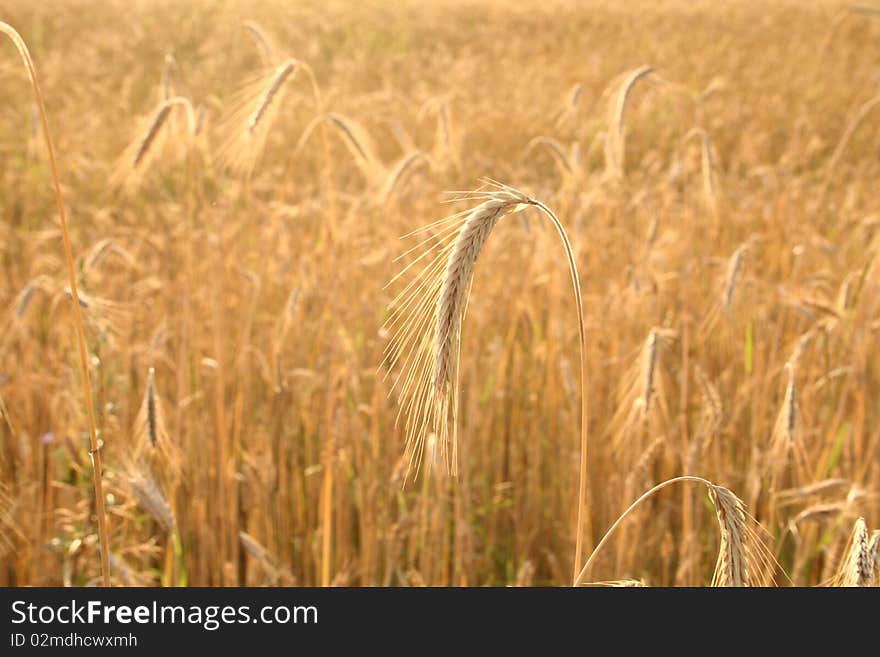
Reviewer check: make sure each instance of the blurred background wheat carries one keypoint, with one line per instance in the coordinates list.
(238, 177)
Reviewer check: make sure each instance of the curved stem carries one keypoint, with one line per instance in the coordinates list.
(646, 495)
(584, 524)
(77, 314)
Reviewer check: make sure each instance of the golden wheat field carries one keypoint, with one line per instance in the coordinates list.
(404, 294)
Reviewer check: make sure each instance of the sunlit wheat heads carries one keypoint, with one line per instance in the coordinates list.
(145, 150)
(425, 318)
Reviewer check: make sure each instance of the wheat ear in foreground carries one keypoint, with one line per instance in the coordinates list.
(425, 323)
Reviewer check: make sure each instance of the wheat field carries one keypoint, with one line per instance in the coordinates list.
(284, 384)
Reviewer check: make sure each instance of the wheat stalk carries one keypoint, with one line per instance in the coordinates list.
(77, 315)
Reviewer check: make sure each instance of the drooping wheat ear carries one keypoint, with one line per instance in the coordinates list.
(282, 73)
(249, 121)
(252, 546)
(568, 111)
(356, 139)
(152, 131)
(569, 163)
(359, 144)
(425, 323)
(788, 416)
(266, 51)
(853, 125)
(427, 317)
(744, 559)
(151, 499)
(649, 367)
(153, 449)
(838, 19)
(707, 166)
(381, 179)
(398, 172)
(785, 444)
(820, 513)
(642, 395)
(857, 567)
(556, 150)
(275, 571)
(616, 141)
(847, 292)
(732, 567)
(731, 278)
(77, 315)
(23, 300)
(791, 496)
(154, 127)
